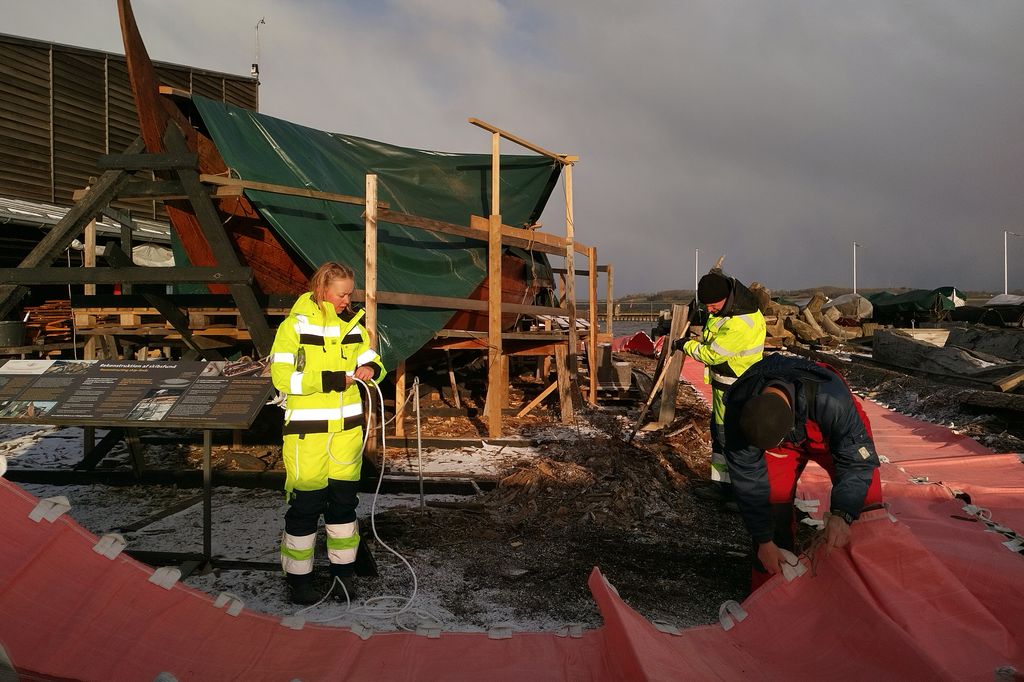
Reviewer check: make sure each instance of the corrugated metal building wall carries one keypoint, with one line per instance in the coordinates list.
(61, 107)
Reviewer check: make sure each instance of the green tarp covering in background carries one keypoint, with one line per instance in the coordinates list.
(914, 304)
(438, 185)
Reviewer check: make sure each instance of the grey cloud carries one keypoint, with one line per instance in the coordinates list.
(774, 132)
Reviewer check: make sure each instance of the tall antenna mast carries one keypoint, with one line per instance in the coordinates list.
(255, 73)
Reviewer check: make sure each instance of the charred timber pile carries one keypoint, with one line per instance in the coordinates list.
(814, 324)
(984, 358)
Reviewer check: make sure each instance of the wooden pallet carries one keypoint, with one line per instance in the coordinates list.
(149, 322)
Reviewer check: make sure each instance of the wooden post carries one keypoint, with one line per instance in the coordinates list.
(564, 385)
(370, 279)
(400, 400)
(495, 386)
(609, 304)
(506, 379)
(456, 399)
(570, 270)
(675, 365)
(592, 312)
(496, 389)
(126, 246)
(89, 255)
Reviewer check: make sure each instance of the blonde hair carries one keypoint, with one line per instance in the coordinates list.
(324, 275)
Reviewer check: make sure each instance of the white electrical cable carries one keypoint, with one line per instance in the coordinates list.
(370, 606)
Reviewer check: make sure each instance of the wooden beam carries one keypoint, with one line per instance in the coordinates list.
(675, 366)
(1009, 383)
(570, 285)
(134, 275)
(400, 399)
(529, 238)
(136, 162)
(370, 229)
(592, 310)
(496, 389)
(177, 92)
(220, 245)
(580, 248)
(609, 303)
(495, 174)
(449, 302)
(69, 227)
(143, 189)
(561, 158)
(89, 255)
(537, 401)
(222, 181)
(564, 384)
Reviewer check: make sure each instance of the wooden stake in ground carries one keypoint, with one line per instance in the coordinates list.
(669, 341)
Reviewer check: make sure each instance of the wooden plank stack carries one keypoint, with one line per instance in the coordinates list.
(50, 322)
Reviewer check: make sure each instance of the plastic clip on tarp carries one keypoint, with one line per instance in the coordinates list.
(293, 622)
(428, 629)
(730, 613)
(807, 506)
(110, 545)
(361, 631)
(500, 632)
(572, 630)
(666, 627)
(233, 602)
(165, 577)
(793, 568)
(50, 509)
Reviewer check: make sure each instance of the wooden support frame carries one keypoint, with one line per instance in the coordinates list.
(567, 369)
(69, 227)
(220, 245)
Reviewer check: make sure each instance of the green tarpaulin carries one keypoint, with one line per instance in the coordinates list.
(914, 304)
(438, 185)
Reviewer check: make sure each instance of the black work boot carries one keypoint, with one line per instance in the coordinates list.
(718, 492)
(714, 492)
(303, 592)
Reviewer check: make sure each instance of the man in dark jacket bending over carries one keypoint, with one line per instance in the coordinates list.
(781, 413)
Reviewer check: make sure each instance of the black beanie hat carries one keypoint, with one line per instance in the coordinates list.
(713, 287)
(765, 420)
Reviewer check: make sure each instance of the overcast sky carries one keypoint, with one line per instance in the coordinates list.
(776, 133)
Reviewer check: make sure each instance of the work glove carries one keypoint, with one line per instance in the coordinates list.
(678, 344)
(333, 381)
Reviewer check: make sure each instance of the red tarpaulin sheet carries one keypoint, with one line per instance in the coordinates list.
(639, 343)
(926, 591)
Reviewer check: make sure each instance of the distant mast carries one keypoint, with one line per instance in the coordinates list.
(255, 72)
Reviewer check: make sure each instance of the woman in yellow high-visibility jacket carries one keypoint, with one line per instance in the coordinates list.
(318, 350)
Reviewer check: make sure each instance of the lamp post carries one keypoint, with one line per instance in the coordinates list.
(855, 247)
(696, 277)
(1007, 233)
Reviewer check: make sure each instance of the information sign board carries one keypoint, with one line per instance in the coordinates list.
(205, 395)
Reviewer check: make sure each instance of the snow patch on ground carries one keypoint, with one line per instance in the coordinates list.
(247, 525)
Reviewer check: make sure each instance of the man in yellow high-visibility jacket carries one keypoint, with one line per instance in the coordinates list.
(731, 341)
(319, 350)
